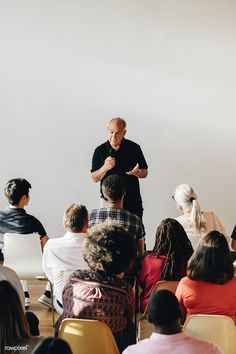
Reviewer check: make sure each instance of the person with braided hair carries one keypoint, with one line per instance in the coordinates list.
(168, 259)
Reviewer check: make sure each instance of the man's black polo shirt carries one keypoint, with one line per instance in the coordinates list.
(128, 155)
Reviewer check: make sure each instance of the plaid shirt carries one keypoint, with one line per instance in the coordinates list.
(130, 222)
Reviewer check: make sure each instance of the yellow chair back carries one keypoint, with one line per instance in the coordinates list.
(88, 336)
(215, 328)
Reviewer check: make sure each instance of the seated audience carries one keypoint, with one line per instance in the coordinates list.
(233, 237)
(63, 255)
(52, 345)
(210, 285)
(100, 293)
(168, 259)
(14, 327)
(195, 222)
(15, 219)
(164, 313)
(113, 191)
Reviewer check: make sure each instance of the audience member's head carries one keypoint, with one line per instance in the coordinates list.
(113, 188)
(15, 189)
(211, 261)
(186, 199)
(13, 324)
(75, 218)
(164, 312)
(52, 345)
(108, 248)
(172, 241)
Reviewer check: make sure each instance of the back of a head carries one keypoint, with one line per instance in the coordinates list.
(52, 345)
(113, 188)
(163, 308)
(171, 238)
(15, 189)
(75, 217)
(186, 198)
(211, 261)
(108, 248)
(172, 242)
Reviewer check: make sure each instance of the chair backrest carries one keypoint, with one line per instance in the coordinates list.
(170, 285)
(88, 336)
(23, 253)
(145, 328)
(215, 328)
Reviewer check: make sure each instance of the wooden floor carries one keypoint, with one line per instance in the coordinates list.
(37, 288)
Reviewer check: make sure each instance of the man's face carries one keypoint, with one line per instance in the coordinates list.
(116, 133)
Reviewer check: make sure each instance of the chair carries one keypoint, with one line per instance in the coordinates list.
(170, 285)
(88, 336)
(23, 254)
(145, 328)
(218, 329)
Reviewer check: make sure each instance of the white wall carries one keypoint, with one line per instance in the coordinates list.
(167, 67)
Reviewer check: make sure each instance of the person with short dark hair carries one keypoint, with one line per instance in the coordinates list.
(124, 158)
(210, 278)
(14, 327)
(63, 255)
(168, 259)
(100, 293)
(164, 313)
(114, 192)
(15, 219)
(52, 345)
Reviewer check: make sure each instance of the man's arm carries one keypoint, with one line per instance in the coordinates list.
(99, 174)
(44, 240)
(140, 246)
(233, 244)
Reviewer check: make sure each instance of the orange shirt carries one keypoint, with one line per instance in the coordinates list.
(199, 297)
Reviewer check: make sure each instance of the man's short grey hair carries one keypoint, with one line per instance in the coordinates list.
(75, 217)
(118, 119)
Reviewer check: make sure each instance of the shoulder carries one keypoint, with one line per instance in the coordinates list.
(199, 345)
(53, 243)
(131, 144)
(139, 347)
(7, 273)
(185, 281)
(101, 147)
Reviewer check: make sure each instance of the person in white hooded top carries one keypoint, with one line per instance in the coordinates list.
(196, 223)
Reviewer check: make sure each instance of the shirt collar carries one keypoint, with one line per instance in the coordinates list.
(69, 234)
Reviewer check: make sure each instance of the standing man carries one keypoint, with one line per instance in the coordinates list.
(122, 157)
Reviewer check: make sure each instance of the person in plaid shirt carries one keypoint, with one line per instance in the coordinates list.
(114, 192)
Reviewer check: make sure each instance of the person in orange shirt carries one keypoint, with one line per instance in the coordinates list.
(210, 285)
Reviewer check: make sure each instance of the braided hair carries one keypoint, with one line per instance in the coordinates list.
(172, 242)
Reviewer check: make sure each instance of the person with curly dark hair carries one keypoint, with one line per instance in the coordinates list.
(100, 293)
(210, 285)
(168, 259)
